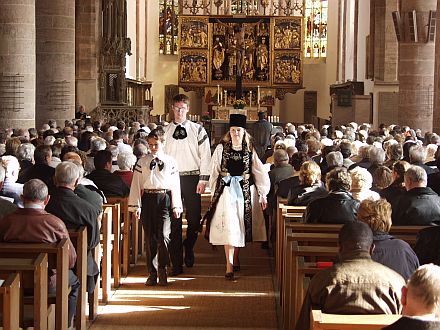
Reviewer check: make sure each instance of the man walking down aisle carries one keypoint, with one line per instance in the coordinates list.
(188, 143)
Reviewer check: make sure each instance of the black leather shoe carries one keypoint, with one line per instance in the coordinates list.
(189, 256)
(175, 272)
(163, 281)
(151, 280)
(229, 276)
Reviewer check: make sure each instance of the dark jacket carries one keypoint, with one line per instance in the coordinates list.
(261, 135)
(393, 192)
(43, 172)
(336, 207)
(418, 206)
(428, 245)
(285, 185)
(413, 323)
(303, 194)
(434, 182)
(110, 184)
(395, 254)
(76, 212)
(429, 170)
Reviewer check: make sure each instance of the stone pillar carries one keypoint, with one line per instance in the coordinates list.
(416, 68)
(436, 114)
(87, 38)
(55, 30)
(17, 63)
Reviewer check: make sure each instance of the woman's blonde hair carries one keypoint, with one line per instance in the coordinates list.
(247, 137)
(309, 173)
(376, 214)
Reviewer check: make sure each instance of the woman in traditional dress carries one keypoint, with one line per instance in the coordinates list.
(235, 168)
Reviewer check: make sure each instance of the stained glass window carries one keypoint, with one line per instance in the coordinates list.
(168, 10)
(316, 28)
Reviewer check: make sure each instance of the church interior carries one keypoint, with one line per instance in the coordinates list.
(303, 61)
(320, 62)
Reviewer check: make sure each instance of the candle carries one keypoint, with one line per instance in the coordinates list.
(226, 98)
(218, 94)
(250, 98)
(258, 95)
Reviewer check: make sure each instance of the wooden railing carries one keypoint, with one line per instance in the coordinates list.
(126, 113)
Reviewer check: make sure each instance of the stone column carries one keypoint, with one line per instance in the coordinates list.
(436, 114)
(416, 68)
(87, 38)
(17, 63)
(55, 30)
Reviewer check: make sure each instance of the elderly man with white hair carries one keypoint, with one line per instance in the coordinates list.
(11, 188)
(417, 156)
(419, 205)
(96, 144)
(420, 300)
(25, 155)
(75, 211)
(6, 207)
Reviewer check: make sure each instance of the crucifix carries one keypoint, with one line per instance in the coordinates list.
(239, 45)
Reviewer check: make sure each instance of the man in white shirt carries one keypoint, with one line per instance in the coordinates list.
(188, 144)
(156, 175)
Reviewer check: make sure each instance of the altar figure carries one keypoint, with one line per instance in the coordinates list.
(262, 55)
(218, 54)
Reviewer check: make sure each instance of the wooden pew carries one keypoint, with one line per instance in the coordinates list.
(115, 237)
(79, 241)
(33, 277)
(58, 258)
(323, 321)
(335, 228)
(106, 230)
(293, 213)
(290, 308)
(130, 233)
(10, 301)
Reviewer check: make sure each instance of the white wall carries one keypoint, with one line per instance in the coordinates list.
(161, 69)
(130, 71)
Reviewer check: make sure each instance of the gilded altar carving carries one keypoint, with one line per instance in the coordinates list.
(193, 67)
(287, 33)
(194, 32)
(265, 51)
(287, 68)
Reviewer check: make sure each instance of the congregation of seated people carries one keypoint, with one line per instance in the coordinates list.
(368, 180)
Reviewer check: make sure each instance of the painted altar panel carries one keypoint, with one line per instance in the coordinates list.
(193, 66)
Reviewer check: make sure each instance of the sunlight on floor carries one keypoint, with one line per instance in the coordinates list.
(121, 294)
(141, 280)
(121, 309)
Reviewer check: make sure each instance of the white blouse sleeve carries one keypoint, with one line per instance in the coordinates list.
(216, 161)
(261, 176)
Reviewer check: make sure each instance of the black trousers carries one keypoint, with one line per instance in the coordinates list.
(73, 296)
(193, 205)
(155, 215)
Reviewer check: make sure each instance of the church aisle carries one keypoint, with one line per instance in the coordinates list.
(200, 298)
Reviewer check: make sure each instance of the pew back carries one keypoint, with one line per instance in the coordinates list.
(321, 321)
(58, 258)
(10, 301)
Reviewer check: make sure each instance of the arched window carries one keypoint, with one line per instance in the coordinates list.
(168, 10)
(316, 29)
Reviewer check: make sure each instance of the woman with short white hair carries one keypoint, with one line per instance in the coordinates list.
(126, 161)
(361, 183)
